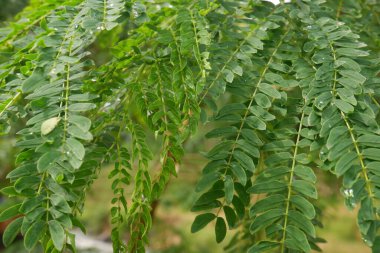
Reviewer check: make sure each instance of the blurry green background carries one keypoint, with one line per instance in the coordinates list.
(172, 220)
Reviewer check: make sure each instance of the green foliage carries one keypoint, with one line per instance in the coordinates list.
(289, 89)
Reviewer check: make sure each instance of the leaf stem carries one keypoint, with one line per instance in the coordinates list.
(66, 99)
(294, 159)
(251, 100)
(339, 9)
(242, 43)
(360, 156)
(10, 103)
(364, 171)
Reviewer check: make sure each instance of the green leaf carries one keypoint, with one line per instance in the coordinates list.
(82, 97)
(47, 160)
(344, 163)
(245, 161)
(309, 46)
(46, 114)
(335, 135)
(33, 82)
(353, 75)
(230, 216)
(299, 220)
(81, 122)
(239, 173)
(220, 230)
(231, 109)
(305, 173)
(338, 34)
(57, 234)
(349, 83)
(321, 56)
(207, 180)
(209, 197)
(263, 246)
(12, 230)
(237, 70)
(42, 92)
(34, 234)
(376, 245)
(26, 183)
(348, 63)
(351, 52)
(229, 76)
(323, 100)
(274, 78)
(239, 207)
(9, 191)
(222, 132)
(262, 100)
(269, 90)
(76, 148)
(374, 166)
(345, 144)
(60, 203)
(371, 153)
(278, 145)
(255, 42)
(268, 187)
(265, 204)
(262, 113)
(347, 95)
(296, 239)
(369, 140)
(21, 171)
(344, 106)
(10, 212)
(251, 137)
(256, 123)
(265, 219)
(69, 59)
(81, 107)
(248, 148)
(280, 67)
(77, 132)
(208, 206)
(32, 143)
(305, 188)
(30, 204)
(74, 161)
(303, 205)
(201, 221)
(229, 188)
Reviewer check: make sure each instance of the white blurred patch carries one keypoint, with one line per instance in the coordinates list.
(278, 1)
(89, 244)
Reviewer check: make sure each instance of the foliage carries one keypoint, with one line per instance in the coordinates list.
(289, 88)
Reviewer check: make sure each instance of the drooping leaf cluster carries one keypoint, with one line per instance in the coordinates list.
(289, 89)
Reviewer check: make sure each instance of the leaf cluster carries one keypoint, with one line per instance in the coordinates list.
(289, 90)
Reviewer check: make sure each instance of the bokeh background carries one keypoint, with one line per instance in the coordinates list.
(172, 216)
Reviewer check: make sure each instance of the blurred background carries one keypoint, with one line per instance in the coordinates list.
(172, 219)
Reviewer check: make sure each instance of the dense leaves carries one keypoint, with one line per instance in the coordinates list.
(287, 89)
